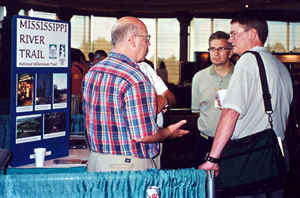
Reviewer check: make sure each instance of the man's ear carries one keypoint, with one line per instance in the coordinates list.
(253, 35)
(131, 40)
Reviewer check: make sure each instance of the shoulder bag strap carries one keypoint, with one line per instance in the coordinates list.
(264, 85)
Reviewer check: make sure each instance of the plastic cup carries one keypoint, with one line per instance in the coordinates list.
(39, 156)
(222, 94)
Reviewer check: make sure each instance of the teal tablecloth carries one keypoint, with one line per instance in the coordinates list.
(182, 183)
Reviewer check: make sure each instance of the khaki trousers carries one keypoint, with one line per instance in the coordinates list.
(157, 159)
(99, 162)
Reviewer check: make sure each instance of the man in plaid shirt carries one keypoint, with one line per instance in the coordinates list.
(120, 105)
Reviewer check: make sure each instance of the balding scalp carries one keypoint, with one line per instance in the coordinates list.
(120, 31)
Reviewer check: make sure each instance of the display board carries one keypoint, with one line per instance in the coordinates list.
(40, 88)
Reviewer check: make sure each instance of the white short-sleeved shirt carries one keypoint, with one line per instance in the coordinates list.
(158, 85)
(244, 94)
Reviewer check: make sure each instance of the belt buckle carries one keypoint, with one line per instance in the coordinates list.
(204, 135)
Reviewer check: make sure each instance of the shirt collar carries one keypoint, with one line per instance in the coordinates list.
(213, 71)
(259, 49)
(123, 58)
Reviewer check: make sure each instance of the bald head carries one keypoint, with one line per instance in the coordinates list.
(130, 19)
(129, 36)
(123, 27)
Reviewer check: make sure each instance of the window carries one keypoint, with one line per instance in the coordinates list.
(80, 33)
(277, 39)
(200, 32)
(221, 25)
(90, 33)
(294, 37)
(168, 47)
(45, 15)
(101, 29)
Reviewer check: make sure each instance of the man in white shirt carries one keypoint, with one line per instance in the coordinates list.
(164, 97)
(243, 111)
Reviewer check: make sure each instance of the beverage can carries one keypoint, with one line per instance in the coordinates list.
(153, 192)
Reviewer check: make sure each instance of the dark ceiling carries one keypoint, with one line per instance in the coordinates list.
(281, 10)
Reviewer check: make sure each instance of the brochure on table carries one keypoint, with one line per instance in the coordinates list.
(40, 88)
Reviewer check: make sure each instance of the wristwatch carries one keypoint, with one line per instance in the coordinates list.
(211, 159)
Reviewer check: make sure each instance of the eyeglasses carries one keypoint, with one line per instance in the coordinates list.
(219, 49)
(147, 37)
(233, 35)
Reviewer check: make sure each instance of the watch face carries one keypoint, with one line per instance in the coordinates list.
(211, 159)
(206, 156)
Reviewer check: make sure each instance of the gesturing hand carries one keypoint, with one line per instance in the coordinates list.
(175, 131)
(172, 131)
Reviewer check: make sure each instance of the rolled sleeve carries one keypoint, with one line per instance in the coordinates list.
(140, 109)
(240, 90)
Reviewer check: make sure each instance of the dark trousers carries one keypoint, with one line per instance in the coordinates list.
(202, 146)
(275, 194)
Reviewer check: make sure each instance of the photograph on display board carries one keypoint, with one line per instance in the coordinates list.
(52, 51)
(25, 90)
(28, 128)
(54, 124)
(60, 90)
(62, 54)
(43, 93)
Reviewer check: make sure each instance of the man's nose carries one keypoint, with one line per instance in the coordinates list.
(216, 52)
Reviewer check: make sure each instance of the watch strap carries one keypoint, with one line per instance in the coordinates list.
(212, 159)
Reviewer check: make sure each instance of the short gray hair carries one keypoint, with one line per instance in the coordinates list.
(119, 31)
(218, 36)
(256, 22)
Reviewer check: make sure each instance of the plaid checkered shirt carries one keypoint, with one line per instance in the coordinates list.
(119, 103)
